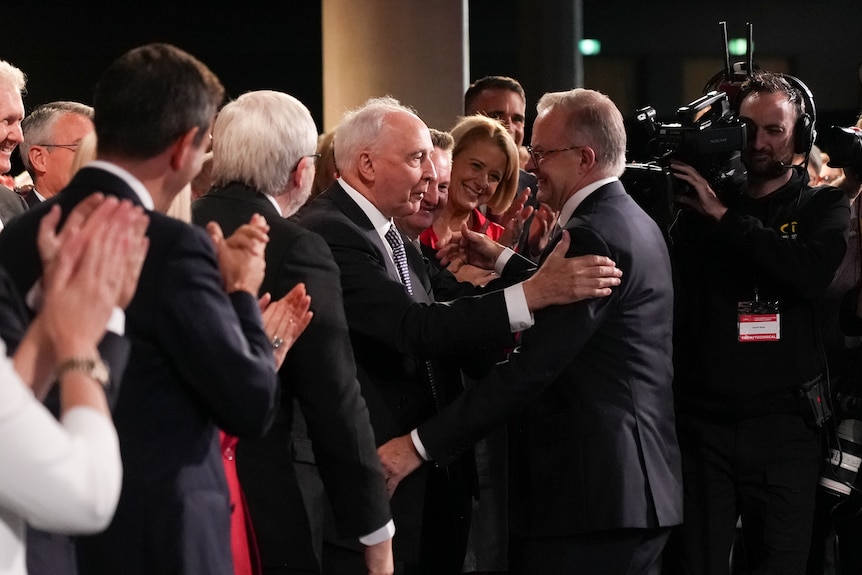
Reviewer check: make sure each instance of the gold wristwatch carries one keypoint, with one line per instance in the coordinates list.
(92, 367)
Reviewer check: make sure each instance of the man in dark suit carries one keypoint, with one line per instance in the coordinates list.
(11, 204)
(597, 477)
(200, 357)
(263, 162)
(12, 84)
(52, 134)
(383, 154)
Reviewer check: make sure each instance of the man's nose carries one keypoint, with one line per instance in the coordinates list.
(15, 134)
(429, 172)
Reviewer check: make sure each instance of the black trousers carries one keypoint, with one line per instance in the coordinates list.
(614, 552)
(764, 470)
(445, 525)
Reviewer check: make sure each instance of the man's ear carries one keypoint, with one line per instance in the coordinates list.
(304, 172)
(587, 157)
(365, 166)
(183, 148)
(36, 155)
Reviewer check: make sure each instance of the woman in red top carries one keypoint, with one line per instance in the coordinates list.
(484, 173)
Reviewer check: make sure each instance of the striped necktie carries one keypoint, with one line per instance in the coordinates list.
(399, 255)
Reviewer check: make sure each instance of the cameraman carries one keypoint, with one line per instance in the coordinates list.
(752, 264)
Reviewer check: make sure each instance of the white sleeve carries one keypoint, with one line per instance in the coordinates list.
(62, 477)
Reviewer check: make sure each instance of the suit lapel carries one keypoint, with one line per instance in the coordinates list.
(355, 214)
(611, 190)
(418, 273)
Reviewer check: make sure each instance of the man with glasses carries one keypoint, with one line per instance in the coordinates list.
(401, 337)
(596, 477)
(264, 162)
(52, 134)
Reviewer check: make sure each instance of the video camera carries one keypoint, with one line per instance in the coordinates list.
(844, 146)
(708, 136)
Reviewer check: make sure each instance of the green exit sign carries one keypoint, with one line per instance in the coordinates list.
(737, 46)
(589, 47)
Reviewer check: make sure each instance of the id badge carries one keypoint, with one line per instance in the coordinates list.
(758, 321)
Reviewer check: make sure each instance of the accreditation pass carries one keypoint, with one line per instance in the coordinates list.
(758, 321)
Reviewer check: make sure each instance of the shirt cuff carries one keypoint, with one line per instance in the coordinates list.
(417, 443)
(503, 260)
(117, 322)
(380, 535)
(520, 317)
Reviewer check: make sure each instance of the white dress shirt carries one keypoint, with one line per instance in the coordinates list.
(57, 476)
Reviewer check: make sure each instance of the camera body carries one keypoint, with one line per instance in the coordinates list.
(708, 136)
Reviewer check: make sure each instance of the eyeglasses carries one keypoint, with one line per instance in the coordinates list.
(72, 147)
(537, 156)
(314, 158)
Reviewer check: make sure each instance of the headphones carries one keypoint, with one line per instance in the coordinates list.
(804, 133)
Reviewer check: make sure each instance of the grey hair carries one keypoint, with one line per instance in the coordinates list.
(259, 138)
(12, 77)
(38, 126)
(592, 119)
(360, 128)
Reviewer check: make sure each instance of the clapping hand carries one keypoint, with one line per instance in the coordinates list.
(514, 217)
(90, 266)
(240, 256)
(285, 320)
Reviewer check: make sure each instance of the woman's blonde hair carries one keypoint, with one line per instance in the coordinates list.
(470, 129)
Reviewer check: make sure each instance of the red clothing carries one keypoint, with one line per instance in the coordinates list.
(493, 231)
(246, 560)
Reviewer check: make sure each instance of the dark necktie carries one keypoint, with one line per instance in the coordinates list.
(399, 256)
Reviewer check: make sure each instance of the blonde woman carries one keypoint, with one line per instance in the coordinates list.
(484, 173)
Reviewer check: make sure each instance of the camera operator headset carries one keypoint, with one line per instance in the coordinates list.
(803, 131)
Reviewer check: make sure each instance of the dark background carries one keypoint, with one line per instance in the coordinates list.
(63, 47)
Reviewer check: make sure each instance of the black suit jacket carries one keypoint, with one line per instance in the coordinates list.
(597, 444)
(199, 359)
(11, 205)
(393, 333)
(31, 198)
(278, 472)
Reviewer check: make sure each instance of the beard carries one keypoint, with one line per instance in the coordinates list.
(766, 166)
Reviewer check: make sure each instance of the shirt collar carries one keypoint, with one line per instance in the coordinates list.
(133, 182)
(274, 203)
(380, 222)
(573, 202)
